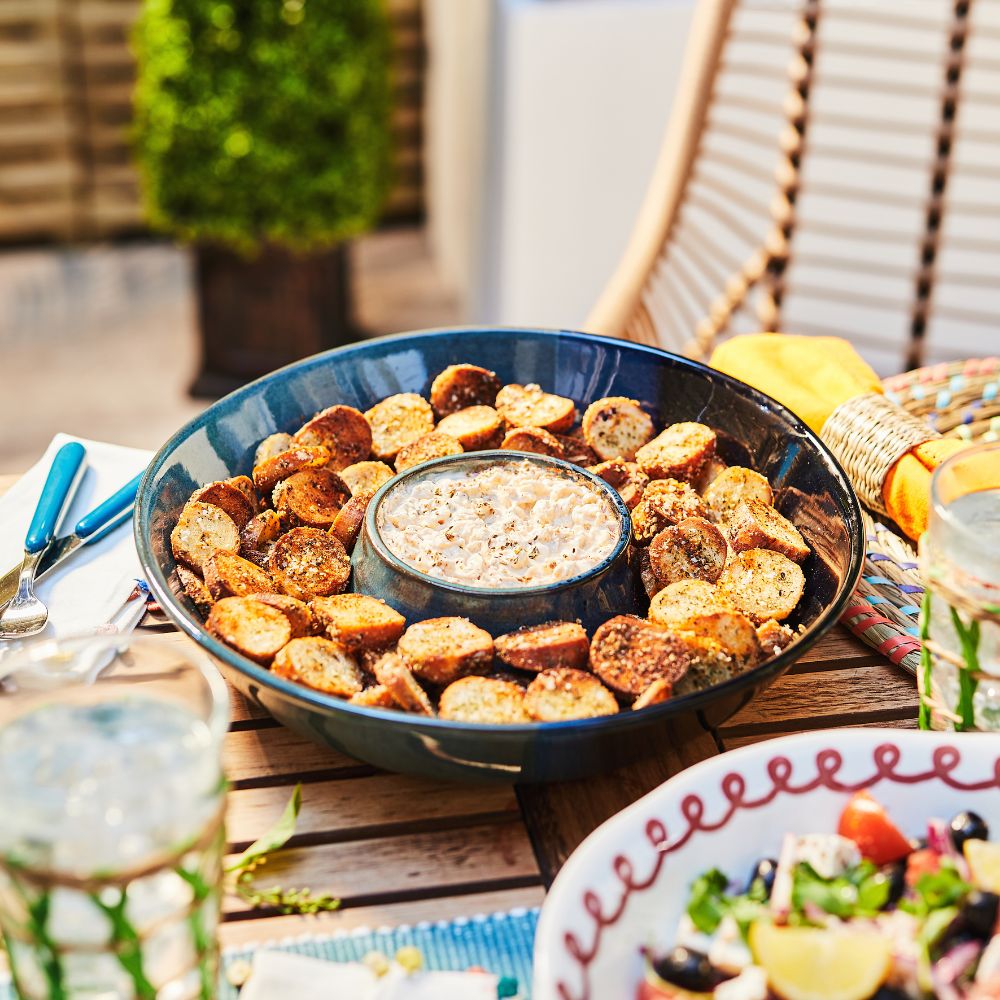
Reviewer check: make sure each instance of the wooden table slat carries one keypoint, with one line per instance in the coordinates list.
(838, 648)
(366, 807)
(405, 866)
(275, 755)
(561, 815)
(239, 933)
(855, 694)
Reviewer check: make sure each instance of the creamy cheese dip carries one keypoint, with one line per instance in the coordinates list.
(511, 524)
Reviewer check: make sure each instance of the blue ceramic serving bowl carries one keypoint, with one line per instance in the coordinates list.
(810, 488)
(606, 589)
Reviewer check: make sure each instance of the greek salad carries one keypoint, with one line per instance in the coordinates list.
(866, 912)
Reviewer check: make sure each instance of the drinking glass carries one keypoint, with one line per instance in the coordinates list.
(960, 618)
(111, 826)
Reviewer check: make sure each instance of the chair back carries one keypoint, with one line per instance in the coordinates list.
(830, 167)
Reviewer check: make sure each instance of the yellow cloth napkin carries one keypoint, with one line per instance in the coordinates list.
(812, 376)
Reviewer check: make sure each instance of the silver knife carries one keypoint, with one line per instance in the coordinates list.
(92, 527)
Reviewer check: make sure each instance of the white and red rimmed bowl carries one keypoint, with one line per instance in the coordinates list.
(627, 884)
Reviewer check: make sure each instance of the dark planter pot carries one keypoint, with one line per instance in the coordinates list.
(256, 314)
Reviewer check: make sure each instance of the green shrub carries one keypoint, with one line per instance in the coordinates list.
(263, 121)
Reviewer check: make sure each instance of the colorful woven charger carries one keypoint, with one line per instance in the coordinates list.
(962, 400)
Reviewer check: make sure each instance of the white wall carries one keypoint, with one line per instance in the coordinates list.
(456, 125)
(529, 215)
(585, 94)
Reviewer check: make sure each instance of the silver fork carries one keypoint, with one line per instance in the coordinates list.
(26, 614)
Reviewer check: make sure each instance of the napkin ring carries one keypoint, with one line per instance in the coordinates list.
(869, 434)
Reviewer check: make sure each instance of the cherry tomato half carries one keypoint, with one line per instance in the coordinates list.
(864, 821)
(922, 862)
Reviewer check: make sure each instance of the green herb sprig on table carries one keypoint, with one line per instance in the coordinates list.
(243, 870)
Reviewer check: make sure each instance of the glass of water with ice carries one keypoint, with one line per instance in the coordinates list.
(960, 620)
(111, 820)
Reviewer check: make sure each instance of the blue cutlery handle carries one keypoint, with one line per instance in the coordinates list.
(58, 490)
(115, 522)
(110, 509)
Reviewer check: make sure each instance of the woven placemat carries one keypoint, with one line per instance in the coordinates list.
(960, 400)
(500, 943)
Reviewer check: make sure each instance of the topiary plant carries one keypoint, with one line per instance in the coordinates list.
(263, 121)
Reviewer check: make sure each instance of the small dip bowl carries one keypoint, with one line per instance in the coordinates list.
(604, 589)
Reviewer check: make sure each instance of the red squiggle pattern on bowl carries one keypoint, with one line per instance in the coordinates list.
(885, 757)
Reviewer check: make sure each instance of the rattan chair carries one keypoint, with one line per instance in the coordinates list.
(830, 167)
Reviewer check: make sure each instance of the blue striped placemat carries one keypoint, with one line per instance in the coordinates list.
(500, 943)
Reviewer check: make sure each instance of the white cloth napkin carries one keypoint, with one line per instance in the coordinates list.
(90, 589)
(277, 975)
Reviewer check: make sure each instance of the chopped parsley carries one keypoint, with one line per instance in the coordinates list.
(709, 903)
(937, 890)
(861, 891)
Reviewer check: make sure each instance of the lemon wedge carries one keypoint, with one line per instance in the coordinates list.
(984, 863)
(812, 963)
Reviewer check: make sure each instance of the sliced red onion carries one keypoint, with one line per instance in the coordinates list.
(939, 840)
(951, 966)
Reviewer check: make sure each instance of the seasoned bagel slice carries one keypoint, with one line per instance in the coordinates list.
(441, 650)
(308, 563)
(542, 647)
(320, 664)
(475, 428)
(358, 622)
(695, 549)
(229, 575)
(615, 427)
(561, 694)
(310, 499)
(755, 525)
(430, 446)
(397, 421)
(366, 477)
(343, 431)
(763, 584)
(253, 629)
(628, 654)
(201, 530)
(529, 406)
(483, 700)
(679, 452)
(461, 386)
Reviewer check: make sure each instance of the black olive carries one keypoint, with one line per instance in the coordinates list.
(765, 870)
(688, 969)
(896, 873)
(978, 915)
(890, 993)
(968, 826)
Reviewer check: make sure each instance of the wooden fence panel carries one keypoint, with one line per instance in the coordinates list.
(66, 78)
(40, 175)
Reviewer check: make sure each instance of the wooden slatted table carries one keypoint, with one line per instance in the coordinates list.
(398, 850)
